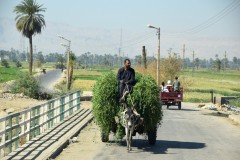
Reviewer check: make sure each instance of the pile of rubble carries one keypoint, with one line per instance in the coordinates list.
(224, 107)
(11, 96)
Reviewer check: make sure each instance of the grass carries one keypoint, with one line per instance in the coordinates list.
(84, 80)
(7, 74)
(88, 74)
(84, 85)
(235, 102)
(224, 83)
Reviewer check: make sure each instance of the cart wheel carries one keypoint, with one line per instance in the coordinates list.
(104, 137)
(168, 106)
(179, 105)
(152, 136)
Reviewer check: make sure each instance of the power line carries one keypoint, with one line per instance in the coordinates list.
(212, 20)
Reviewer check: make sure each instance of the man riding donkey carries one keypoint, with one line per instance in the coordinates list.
(130, 117)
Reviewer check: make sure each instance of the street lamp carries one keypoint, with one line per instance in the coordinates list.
(68, 53)
(158, 55)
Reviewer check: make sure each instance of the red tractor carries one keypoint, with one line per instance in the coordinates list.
(172, 98)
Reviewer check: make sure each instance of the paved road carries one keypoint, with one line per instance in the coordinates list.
(47, 80)
(188, 134)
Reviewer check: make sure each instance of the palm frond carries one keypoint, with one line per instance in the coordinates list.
(28, 20)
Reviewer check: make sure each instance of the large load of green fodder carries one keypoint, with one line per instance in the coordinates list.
(106, 102)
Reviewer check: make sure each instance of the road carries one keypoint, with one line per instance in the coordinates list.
(187, 134)
(48, 80)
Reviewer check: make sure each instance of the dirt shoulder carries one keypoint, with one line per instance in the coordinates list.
(88, 141)
(10, 103)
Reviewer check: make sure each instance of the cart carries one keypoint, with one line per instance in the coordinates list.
(172, 98)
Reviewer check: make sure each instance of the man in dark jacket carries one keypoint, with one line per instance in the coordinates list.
(126, 78)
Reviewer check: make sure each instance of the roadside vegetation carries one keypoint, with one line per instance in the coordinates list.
(235, 102)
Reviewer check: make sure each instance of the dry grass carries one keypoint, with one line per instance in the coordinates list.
(84, 85)
(198, 97)
(83, 72)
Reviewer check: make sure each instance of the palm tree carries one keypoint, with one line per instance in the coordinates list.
(29, 22)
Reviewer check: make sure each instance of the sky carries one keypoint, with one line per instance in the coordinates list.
(207, 27)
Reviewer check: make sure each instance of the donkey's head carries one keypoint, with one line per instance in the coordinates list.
(129, 117)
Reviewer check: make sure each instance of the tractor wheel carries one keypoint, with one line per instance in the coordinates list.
(179, 105)
(152, 136)
(104, 137)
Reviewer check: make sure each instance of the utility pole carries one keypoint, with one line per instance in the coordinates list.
(158, 55)
(169, 52)
(68, 56)
(120, 48)
(193, 67)
(144, 59)
(158, 59)
(183, 56)
(224, 62)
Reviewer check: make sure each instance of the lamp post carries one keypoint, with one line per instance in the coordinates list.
(158, 55)
(68, 53)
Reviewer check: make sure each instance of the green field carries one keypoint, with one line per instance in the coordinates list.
(224, 83)
(89, 74)
(7, 74)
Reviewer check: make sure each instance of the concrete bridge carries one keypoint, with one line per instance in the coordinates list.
(41, 131)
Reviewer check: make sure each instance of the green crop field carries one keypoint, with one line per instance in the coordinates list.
(197, 87)
(86, 79)
(202, 82)
(7, 74)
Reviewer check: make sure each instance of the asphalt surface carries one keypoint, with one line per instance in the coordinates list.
(48, 80)
(187, 134)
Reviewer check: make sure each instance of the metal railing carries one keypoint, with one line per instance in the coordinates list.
(18, 128)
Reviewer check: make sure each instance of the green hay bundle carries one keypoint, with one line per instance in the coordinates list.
(106, 102)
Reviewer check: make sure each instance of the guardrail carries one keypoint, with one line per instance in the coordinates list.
(20, 127)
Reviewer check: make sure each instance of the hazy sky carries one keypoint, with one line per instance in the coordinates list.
(208, 27)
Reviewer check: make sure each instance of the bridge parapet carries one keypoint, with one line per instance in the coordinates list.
(18, 128)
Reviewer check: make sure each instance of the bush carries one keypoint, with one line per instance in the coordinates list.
(235, 102)
(106, 102)
(146, 96)
(18, 64)
(29, 86)
(5, 63)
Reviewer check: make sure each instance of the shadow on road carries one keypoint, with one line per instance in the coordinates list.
(162, 146)
(183, 109)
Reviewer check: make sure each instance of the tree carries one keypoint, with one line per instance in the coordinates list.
(37, 63)
(217, 64)
(197, 62)
(170, 67)
(72, 59)
(60, 61)
(235, 62)
(18, 64)
(138, 60)
(5, 63)
(40, 57)
(29, 22)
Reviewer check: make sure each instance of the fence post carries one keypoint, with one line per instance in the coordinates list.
(78, 100)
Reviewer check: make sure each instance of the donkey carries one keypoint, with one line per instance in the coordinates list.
(129, 117)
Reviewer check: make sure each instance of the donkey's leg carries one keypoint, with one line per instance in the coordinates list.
(127, 135)
(130, 138)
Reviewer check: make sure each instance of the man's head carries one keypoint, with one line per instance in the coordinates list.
(176, 77)
(127, 63)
